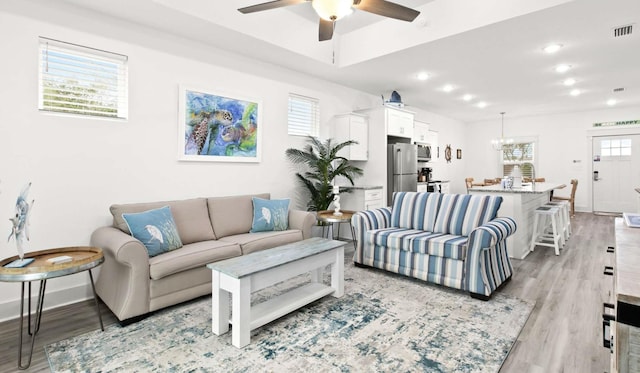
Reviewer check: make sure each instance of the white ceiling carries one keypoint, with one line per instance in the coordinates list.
(489, 48)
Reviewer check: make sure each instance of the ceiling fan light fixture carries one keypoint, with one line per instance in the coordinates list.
(332, 10)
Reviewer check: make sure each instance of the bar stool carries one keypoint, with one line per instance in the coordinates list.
(540, 236)
(565, 211)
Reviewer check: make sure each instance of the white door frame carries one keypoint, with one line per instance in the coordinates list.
(604, 131)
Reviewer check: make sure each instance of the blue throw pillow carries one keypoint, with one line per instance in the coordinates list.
(270, 215)
(156, 229)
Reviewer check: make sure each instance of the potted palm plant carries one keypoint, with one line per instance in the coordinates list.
(323, 165)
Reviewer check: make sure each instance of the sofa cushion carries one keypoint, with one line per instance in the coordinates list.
(419, 241)
(155, 229)
(460, 214)
(270, 215)
(232, 215)
(414, 210)
(250, 242)
(191, 256)
(191, 217)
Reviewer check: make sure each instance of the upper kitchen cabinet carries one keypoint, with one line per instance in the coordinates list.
(399, 122)
(432, 139)
(352, 127)
(420, 132)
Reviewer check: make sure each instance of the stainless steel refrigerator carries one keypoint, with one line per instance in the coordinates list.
(402, 169)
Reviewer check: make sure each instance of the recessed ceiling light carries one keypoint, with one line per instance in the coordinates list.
(611, 102)
(569, 82)
(467, 97)
(563, 68)
(423, 76)
(575, 92)
(447, 88)
(482, 104)
(552, 48)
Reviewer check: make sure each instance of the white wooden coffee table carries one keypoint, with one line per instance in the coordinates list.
(241, 276)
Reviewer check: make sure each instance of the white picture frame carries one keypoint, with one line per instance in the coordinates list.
(215, 126)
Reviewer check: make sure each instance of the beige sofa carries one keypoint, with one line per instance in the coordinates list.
(131, 284)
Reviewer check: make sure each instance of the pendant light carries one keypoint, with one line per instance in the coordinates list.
(499, 144)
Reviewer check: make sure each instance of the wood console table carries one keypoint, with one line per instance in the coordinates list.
(625, 321)
(83, 259)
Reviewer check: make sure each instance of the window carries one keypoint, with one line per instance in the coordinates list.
(304, 116)
(82, 81)
(520, 153)
(615, 148)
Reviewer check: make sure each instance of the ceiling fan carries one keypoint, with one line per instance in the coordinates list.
(332, 10)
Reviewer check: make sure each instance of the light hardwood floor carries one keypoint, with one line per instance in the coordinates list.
(563, 333)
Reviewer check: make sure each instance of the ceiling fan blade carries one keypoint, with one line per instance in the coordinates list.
(326, 30)
(270, 5)
(387, 9)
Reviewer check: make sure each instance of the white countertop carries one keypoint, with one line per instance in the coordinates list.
(535, 188)
(364, 187)
(434, 181)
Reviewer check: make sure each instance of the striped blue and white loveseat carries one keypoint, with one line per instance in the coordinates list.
(454, 240)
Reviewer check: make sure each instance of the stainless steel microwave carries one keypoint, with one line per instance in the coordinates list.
(424, 152)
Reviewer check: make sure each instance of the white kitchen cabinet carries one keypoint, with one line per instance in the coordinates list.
(432, 139)
(352, 127)
(421, 132)
(399, 122)
(361, 199)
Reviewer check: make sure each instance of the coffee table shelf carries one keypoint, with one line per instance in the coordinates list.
(272, 309)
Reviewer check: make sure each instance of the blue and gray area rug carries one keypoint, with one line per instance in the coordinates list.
(383, 323)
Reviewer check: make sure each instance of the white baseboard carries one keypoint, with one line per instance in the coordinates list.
(52, 299)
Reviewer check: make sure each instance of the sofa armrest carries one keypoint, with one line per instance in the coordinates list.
(492, 232)
(303, 220)
(123, 283)
(487, 263)
(363, 221)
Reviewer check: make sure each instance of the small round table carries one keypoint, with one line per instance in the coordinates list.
(82, 259)
(327, 216)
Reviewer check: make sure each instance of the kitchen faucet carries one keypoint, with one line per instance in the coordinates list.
(533, 173)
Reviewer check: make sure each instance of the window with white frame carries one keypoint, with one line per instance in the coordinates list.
(615, 147)
(304, 116)
(82, 81)
(520, 153)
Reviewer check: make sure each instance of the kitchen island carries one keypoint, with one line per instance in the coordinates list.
(520, 204)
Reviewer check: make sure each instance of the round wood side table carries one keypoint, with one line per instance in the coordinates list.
(327, 216)
(82, 259)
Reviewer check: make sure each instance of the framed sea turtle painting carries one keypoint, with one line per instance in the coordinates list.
(218, 127)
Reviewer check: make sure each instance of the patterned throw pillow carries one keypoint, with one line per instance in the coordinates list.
(156, 229)
(270, 215)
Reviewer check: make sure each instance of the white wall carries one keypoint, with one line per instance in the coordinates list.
(450, 132)
(79, 166)
(564, 146)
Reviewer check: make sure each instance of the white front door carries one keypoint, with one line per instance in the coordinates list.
(616, 172)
